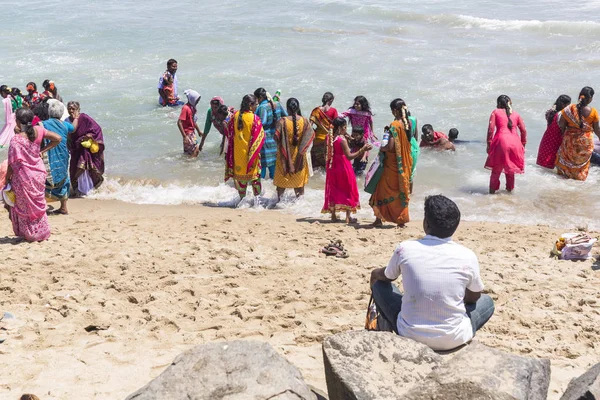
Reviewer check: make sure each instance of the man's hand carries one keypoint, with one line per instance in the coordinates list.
(378, 274)
(471, 297)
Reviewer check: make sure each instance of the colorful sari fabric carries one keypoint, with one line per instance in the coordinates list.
(291, 168)
(16, 103)
(56, 160)
(392, 195)
(268, 154)
(415, 150)
(82, 159)
(575, 152)
(341, 190)
(28, 216)
(323, 122)
(243, 153)
(550, 143)
(8, 131)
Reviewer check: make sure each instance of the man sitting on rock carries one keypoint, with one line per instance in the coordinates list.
(442, 305)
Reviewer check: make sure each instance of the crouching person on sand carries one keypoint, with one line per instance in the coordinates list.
(442, 305)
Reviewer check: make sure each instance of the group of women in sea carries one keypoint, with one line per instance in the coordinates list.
(54, 152)
(264, 139)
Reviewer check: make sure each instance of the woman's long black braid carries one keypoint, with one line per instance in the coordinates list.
(585, 97)
(504, 102)
(244, 107)
(293, 108)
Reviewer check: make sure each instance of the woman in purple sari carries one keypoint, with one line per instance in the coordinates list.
(86, 145)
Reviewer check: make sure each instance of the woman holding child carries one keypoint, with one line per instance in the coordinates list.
(293, 135)
(392, 194)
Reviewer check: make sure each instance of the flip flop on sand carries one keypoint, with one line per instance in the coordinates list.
(330, 251)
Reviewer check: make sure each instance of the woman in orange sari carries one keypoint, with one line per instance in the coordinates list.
(578, 123)
(322, 119)
(392, 194)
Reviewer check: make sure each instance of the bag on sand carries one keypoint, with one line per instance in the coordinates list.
(84, 182)
(574, 246)
(375, 320)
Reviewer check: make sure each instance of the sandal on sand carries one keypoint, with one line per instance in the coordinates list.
(330, 251)
(342, 254)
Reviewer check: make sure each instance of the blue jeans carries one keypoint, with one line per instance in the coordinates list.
(388, 300)
(263, 172)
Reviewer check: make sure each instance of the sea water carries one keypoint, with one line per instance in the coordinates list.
(449, 60)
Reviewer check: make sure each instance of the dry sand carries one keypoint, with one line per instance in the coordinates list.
(162, 279)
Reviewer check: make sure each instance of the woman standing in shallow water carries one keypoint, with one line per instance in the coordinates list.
(505, 147)
(246, 137)
(294, 135)
(322, 118)
(578, 123)
(552, 138)
(392, 194)
(361, 119)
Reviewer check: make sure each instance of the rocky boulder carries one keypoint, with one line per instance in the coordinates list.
(586, 387)
(229, 370)
(364, 365)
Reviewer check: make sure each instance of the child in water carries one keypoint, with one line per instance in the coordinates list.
(169, 90)
(187, 124)
(341, 191)
(361, 119)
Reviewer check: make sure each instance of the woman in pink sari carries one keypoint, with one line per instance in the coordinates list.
(27, 177)
(341, 191)
(505, 147)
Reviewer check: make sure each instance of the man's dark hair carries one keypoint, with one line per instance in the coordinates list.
(171, 62)
(442, 216)
(453, 133)
(426, 128)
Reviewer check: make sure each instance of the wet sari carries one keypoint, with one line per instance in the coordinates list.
(575, 152)
(28, 216)
(392, 195)
(291, 168)
(82, 158)
(56, 161)
(323, 123)
(243, 153)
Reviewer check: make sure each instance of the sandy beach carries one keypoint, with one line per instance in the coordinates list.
(157, 280)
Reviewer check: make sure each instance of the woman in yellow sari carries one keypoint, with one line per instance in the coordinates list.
(392, 194)
(578, 123)
(293, 135)
(246, 137)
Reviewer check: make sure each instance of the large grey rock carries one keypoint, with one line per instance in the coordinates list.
(362, 365)
(480, 372)
(230, 370)
(374, 365)
(586, 387)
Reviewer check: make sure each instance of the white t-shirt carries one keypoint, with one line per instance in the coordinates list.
(435, 273)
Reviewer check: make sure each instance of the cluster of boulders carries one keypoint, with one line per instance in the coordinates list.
(361, 365)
